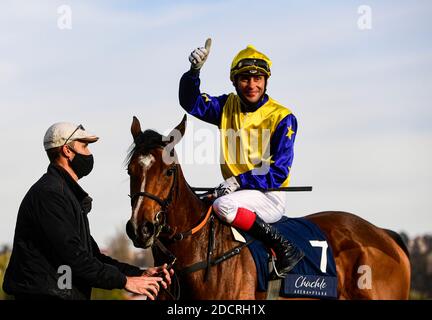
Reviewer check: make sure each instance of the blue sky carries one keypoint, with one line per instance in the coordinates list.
(362, 97)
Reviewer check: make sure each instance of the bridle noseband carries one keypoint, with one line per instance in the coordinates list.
(160, 217)
(160, 223)
(162, 226)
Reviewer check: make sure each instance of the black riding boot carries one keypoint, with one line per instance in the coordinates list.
(287, 254)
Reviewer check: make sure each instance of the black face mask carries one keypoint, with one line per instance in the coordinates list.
(82, 164)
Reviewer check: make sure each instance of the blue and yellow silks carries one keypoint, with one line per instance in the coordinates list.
(257, 147)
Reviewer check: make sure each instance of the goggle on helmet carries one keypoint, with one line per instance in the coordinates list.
(250, 61)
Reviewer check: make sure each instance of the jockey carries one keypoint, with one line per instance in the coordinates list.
(263, 157)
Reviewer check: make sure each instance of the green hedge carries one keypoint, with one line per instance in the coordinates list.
(4, 260)
(101, 294)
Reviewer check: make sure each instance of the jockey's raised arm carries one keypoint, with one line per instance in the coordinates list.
(197, 104)
(257, 146)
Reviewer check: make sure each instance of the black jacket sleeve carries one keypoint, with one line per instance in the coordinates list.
(56, 222)
(127, 269)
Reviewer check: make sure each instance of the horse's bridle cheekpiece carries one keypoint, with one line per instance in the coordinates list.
(160, 217)
(162, 226)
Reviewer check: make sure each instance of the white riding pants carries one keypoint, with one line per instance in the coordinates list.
(269, 206)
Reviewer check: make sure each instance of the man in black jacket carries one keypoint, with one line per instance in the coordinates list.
(52, 234)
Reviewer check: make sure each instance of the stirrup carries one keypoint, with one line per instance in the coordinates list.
(275, 274)
(280, 275)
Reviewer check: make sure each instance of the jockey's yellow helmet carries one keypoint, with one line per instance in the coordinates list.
(250, 61)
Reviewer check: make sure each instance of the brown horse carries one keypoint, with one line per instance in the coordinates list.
(164, 207)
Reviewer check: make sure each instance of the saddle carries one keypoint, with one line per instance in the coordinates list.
(313, 277)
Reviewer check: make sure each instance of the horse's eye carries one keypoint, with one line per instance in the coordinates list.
(170, 172)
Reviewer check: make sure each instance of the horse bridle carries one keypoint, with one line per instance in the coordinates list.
(160, 217)
(160, 224)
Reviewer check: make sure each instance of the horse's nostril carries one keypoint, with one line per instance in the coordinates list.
(130, 231)
(147, 229)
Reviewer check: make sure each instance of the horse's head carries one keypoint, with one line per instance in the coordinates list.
(152, 167)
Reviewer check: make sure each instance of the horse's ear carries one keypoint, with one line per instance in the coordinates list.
(135, 127)
(178, 132)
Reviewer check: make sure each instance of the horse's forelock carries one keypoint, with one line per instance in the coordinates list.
(144, 143)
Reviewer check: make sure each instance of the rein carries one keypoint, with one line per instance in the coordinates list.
(204, 264)
(161, 226)
(160, 217)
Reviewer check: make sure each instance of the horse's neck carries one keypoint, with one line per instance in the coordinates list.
(189, 212)
(188, 208)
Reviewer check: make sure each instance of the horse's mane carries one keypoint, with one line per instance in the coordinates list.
(144, 143)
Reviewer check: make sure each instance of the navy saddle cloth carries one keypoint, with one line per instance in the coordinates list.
(314, 276)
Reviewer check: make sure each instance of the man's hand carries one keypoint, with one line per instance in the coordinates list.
(160, 271)
(199, 55)
(226, 187)
(144, 285)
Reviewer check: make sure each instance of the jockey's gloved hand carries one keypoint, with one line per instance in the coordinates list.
(226, 187)
(199, 56)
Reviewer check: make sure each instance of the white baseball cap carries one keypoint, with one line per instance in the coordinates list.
(63, 132)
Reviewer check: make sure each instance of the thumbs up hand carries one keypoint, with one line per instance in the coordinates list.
(199, 55)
